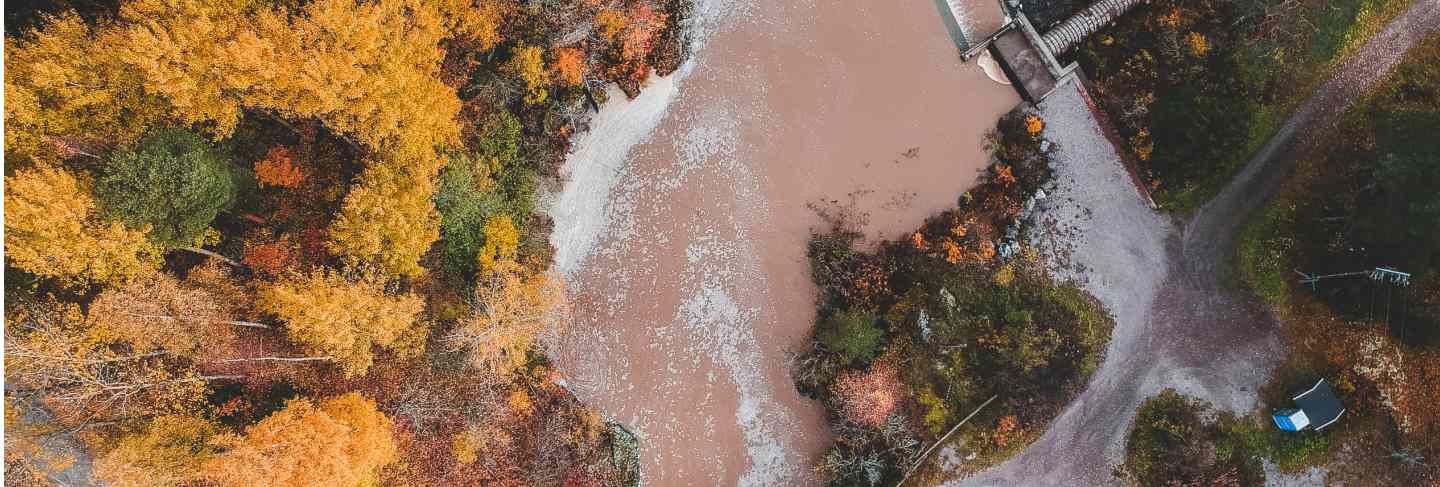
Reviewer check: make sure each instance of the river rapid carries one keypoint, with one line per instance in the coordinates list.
(682, 227)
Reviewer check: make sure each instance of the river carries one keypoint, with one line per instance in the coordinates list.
(682, 227)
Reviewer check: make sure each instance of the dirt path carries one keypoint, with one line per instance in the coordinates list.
(1180, 322)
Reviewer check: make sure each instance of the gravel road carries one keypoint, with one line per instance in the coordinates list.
(1179, 320)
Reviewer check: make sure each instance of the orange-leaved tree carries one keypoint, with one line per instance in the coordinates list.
(158, 312)
(278, 169)
(53, 229)
(344, 440)
(569, 65)
(340, 318)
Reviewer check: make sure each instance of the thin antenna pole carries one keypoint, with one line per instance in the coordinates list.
(1387, 306)
(1403, 308)
(1371, 316)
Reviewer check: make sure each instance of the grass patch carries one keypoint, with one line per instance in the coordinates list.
(1260, 253)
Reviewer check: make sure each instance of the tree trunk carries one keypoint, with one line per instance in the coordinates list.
(250, 324)
(214, 255)
(275, 359)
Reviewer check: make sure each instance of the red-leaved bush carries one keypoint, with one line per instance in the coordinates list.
(868, 397)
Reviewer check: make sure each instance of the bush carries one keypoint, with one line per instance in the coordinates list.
(1170, 444)
(852, 334)
(1260, 253)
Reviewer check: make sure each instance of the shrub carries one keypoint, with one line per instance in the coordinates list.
(851, 333)
(1171, 444)
(1165, 440)
(868, 397)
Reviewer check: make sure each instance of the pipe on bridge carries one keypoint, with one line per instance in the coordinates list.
(1069, 33)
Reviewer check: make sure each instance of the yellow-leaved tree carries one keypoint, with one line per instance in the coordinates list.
(528, 64)
(67, 89)
(364, 69)
(477, 23)
(388, 219)
(53, 360)
(169, 451)
(511, 310)
(343, 319)
(53, 229)
(502, 242)
(344, 441)
(191, 53)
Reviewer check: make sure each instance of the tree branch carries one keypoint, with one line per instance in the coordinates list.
(275, 359)
(214, 255)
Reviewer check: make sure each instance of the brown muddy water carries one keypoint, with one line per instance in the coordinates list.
(683, 226)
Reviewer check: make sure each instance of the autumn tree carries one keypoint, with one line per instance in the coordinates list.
(173, 183)
(270, 257)
(376, 82)
(527, 63)
(343, 319)
(278, 169)
(53, 359)
(480, 23)
(569, 65)
(502, 242)
(66, 86)
(388, 220)
(168, 451)
(511, 310)
(611, 22)
(643, 24)
(868, 397)
(344, 440)
(52, 229)
(158, 312)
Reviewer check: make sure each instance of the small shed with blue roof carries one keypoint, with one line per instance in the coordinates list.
(1314, 410)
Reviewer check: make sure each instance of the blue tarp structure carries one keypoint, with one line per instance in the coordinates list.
(1317, 408)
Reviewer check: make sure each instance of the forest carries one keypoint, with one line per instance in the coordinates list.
(914, 335)
(297, 242)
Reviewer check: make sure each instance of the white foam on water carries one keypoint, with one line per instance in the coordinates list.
(595, 217)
